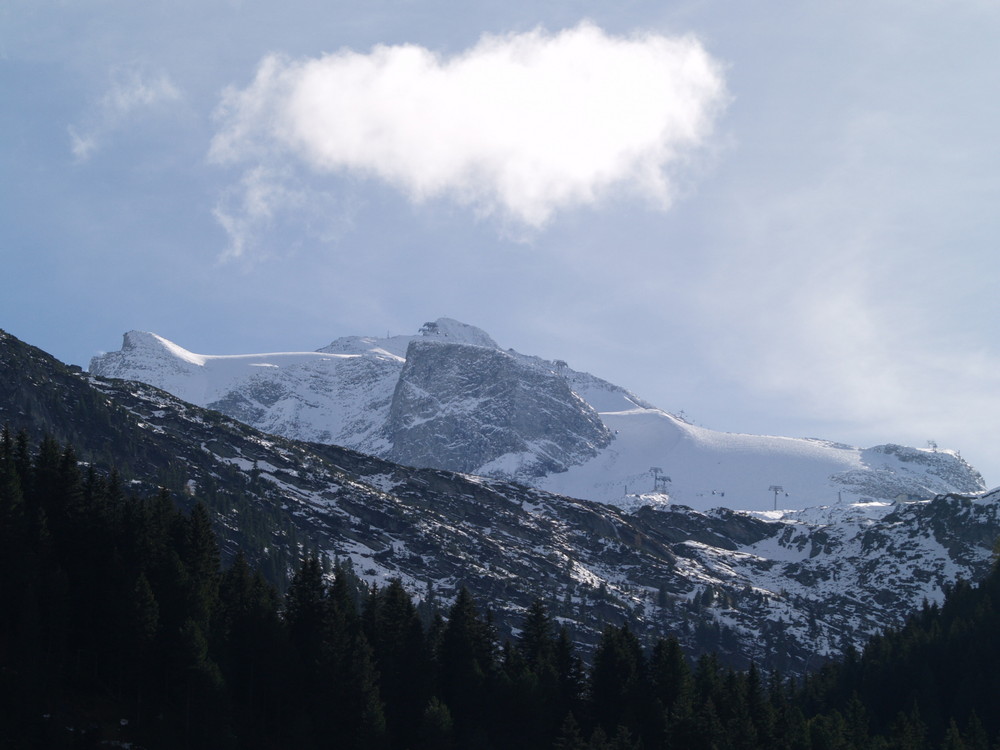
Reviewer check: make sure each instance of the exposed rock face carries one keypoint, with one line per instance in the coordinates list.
(328, 400)
(460, 407)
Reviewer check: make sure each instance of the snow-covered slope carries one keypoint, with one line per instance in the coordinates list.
(704, 469)
(328, 396)
(451, 398)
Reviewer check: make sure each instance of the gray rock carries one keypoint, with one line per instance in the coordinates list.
(460, 407)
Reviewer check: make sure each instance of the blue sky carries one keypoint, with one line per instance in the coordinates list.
(777, 217)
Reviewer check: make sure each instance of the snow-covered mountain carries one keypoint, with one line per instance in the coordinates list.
(785, 588)
(451, 398)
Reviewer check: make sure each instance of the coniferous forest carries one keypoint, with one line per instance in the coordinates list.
(120, 624)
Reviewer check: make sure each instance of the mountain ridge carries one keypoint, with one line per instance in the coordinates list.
(533, 420)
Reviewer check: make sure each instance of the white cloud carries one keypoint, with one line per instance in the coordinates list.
(518, 126)
(131, 91)
(267, 200)
(82, 145)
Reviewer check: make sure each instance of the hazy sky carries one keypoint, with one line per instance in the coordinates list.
(776, 217)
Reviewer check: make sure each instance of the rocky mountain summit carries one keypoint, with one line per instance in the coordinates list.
(451, 398)
(461, 407)
(785, 588)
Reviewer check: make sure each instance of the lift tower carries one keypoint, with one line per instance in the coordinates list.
(775, 488)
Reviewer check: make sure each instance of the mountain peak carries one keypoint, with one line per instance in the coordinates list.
(454, 331)
(140, 340)
(144, 341)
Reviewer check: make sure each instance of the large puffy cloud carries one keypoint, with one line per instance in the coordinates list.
(520, 125)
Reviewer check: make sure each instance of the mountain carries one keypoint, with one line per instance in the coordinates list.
(451, 398)
(787, 589)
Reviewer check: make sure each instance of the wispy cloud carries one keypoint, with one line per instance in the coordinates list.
(266, 200)
(815, 307)
(518, 126)
(132, 90)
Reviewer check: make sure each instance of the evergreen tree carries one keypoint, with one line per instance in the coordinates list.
(619, 689)
(670, 674)
(974, 736)
(466, 663)
(909, 731)
(535, 642)
(953, 738)
(201, 561)
(570, 737)
(436, 730)
(306, 620)
(393, 627)
(569, 674)
(11, 499)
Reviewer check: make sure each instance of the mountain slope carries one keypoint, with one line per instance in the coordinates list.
(450, 398)
(785, 589)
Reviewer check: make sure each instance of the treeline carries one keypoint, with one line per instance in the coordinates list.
(934, 682)
(118, 623)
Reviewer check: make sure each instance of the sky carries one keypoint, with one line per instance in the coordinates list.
(776, 218)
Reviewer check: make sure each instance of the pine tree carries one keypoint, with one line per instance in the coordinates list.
(974, 735)
(570, 736)
(466, 661)
(619, 688)
(909, 731)
(14, 530)
(535, 641)
(569, 673)
(201, 561)
(306, 617)
(436, 730)
(393, 627)
(670, 674)
(953, 738)
(11, 499)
